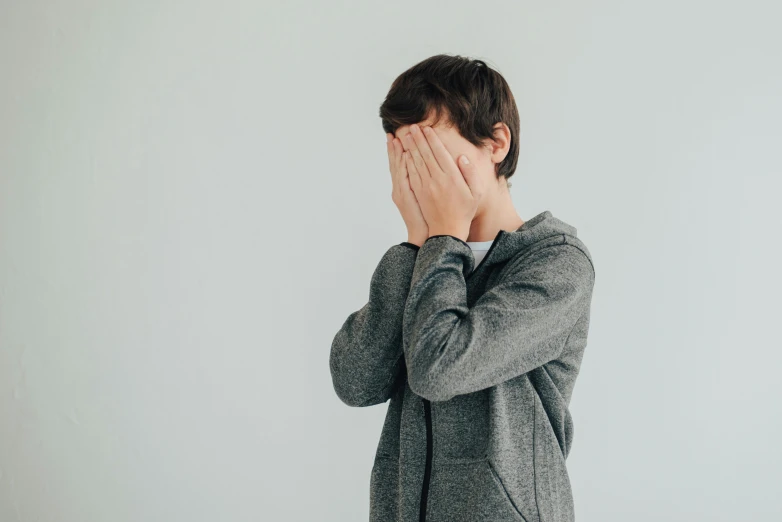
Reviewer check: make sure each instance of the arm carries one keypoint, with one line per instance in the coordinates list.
(521, 323)
(366, 354)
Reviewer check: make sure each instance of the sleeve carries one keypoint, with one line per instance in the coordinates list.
(366, 359)
(519, 324)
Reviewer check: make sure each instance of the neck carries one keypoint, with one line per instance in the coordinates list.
(497, 213)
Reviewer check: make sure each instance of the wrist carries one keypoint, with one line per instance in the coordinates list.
(445, 232)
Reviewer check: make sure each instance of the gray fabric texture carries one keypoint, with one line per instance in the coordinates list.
(478, 368)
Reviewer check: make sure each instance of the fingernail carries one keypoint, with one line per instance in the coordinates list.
(465, 160)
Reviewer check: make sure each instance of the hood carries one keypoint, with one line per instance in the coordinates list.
(543, 226)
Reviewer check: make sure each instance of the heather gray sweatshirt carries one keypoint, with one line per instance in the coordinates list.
(479, 367)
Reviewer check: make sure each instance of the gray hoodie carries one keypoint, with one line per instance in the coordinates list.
(479, 366)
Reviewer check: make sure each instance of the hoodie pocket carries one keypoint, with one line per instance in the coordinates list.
(468, 491)
(501, 485)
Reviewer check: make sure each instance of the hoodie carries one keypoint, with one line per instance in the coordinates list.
(478, 363)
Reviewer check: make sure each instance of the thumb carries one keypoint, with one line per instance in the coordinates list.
(468, 171)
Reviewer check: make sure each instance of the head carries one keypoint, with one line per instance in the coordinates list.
(469, 105)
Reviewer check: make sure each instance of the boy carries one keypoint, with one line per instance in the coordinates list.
(477, 349)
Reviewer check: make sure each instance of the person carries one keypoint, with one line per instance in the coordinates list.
(475, 326)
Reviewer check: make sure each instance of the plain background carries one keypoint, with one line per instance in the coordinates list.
(194, 195)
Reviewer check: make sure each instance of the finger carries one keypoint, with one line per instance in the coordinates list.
(415, 154)
(444, 159)
(401, 168)
(412, 172)
(420, 137)
(392, 159)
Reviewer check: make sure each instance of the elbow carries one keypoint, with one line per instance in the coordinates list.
(427, 386)
(344, 386)
(428, 379)
(351, 389)
(428, 374)
(431, 393)
(354, 400)
(349, 394)
(358, 400)
(342, 379)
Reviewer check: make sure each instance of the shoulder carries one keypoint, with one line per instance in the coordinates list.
(559, 257)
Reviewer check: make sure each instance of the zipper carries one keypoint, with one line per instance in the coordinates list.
(428, 409)
(428, 469)
(488, 253)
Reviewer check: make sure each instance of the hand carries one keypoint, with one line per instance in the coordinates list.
(448, 193)
(402, 194)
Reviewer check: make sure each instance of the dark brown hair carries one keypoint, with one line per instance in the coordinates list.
(464, 92)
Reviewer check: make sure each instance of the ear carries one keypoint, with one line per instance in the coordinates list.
(499, 146)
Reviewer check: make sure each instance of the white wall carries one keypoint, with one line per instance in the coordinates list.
(193, 197)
